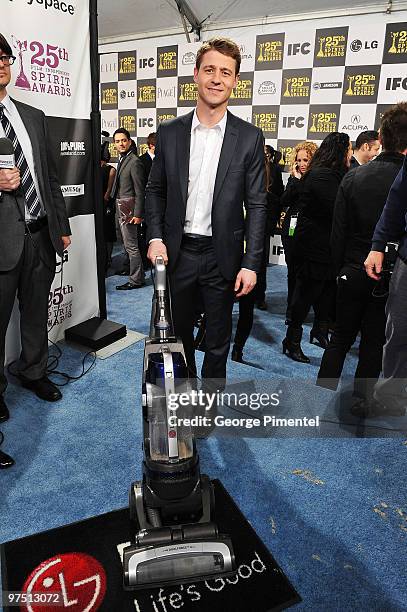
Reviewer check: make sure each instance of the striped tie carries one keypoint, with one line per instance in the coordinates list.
(27, 183)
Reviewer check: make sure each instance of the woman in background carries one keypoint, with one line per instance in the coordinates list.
(301, 156)
(315, 279)
(109, 224)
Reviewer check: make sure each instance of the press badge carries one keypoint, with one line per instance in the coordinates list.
(293, 225)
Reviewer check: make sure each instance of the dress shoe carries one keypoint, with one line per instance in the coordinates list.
(129, 286)
(5, 461)
(43, 388)
(261, 305)
(292, 345)
(4, 413)
(365, 409)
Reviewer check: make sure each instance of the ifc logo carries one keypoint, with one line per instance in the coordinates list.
(356, 45)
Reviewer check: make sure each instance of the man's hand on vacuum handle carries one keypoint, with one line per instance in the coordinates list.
(157, 249)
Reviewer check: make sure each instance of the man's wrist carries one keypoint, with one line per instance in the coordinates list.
(379, 246)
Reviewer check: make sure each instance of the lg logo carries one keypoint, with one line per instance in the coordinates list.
(146, 122)
(146, 62)
(297, 122)
(356, 45)
(296, 48)
(395, 83)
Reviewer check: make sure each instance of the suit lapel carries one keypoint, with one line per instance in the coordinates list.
(226, 154)
(28, 121)
(183, 144)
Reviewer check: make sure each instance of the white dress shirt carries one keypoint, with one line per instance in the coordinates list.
(204, 153)
(13, 116)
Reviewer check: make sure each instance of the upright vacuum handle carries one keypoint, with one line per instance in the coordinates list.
(162, 326)
(160, 274)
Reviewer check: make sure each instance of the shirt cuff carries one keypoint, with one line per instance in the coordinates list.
(156, 240)
(379, 246)
(248, 269)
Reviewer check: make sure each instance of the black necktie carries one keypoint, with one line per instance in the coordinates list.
(27, 181)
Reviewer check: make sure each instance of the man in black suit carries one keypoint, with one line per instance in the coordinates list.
(33, 227)
(207, 163)
(148, 156)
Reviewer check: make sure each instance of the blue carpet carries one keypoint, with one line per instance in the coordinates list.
(332, 511)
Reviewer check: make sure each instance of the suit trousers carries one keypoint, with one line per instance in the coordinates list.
(391, 390)
(31, 279)
(357, 309)
(131, 244)
(245, 321)
(196, 279)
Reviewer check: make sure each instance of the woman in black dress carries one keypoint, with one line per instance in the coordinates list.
(315, 280)
(301, 157)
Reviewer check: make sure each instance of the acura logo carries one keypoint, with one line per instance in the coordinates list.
(355, 118)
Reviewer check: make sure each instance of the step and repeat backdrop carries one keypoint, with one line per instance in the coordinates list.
(295, 84)
(52, 72)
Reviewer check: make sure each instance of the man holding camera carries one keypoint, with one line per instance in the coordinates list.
(361, 301)
(391, 389)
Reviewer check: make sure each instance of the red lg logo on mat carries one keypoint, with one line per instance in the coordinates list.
(78, 578)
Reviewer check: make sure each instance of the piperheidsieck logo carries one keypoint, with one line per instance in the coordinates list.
(266, 118)
(267, 87)
(189, 59)
(323, 119)
(360, 84)
(128, 120)
(21, 81)
(108, 95)
(146, 93)
(296, 86)
(167, 61)
(164, 114)
(187, 91)
(269, 51)
(127, 65)
(330, 47)
(395, 45)
(243, 92)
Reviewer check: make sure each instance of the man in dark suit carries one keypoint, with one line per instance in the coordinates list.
(207, 163)
(128, 191)
(147, 157)
(391, 390)
(33, 227)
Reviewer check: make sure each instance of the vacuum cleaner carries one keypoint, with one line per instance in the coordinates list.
(176, 539)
